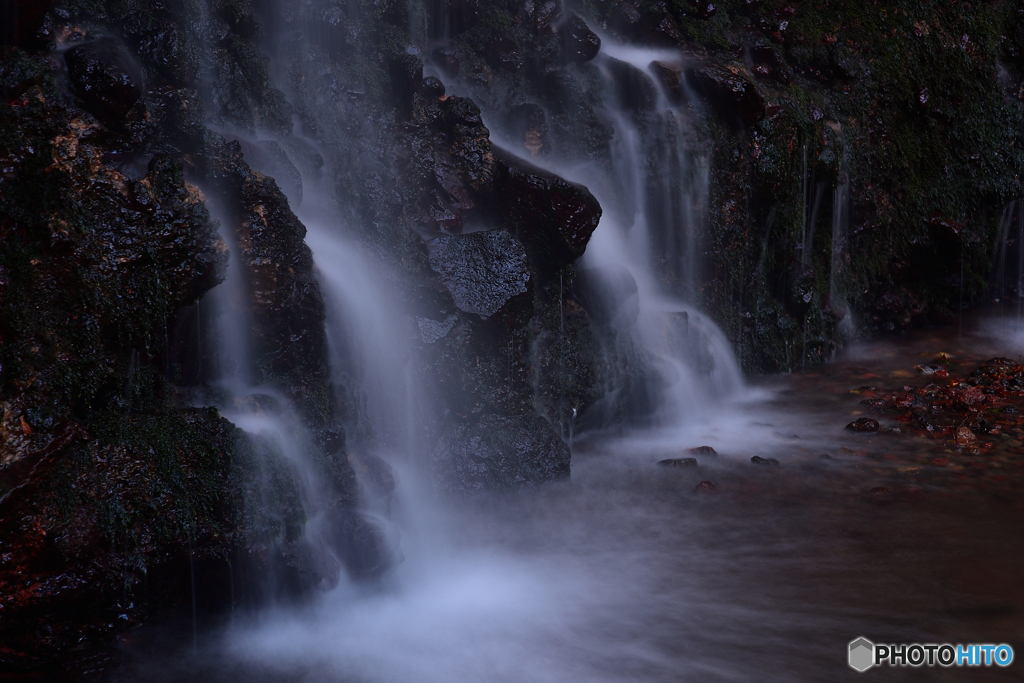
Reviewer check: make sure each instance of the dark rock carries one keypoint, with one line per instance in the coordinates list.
(624, 19)
(505, 53)
(703, 8)
(705, 487)
(170, 49)
(678, 462)
(406, 72)
(551, 216)
(635, 89)
(671, 77)
(527, 123)
(758, 460)
(733, 96)
(448, 59)
(451, 18)
(481, 270)
(431, 87)
(498, 452)
(704, 451)
(661, 29)
(284, 297)
(610, 295)
(360, 543)
(546, 16)
(106, 79)
(863, 424)
(579, 44)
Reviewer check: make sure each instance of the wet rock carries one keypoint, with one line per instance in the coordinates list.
(863, 425)
(499, 452)
(579, 44)
(431, 87)
(481, 270)
(635, 89)
(610, 295)
(964, 437)
(705, 451)
(671, 77)
(284, 296)
(406, 72)
(624, 18)
(528, 124)
(506, 54)
(758, 460)
(170, 49)
(106, 79)
(453, 17)
(546, 15)
(551, 216)
(703, 8)
(678, 462)
(360, 543)
(448, 59)
(734, 97)
(661, 29)
(705, 487)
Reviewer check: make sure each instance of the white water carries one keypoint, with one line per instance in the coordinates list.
(608, 577)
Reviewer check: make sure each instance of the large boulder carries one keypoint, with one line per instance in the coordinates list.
(553, 217)
(734, 96)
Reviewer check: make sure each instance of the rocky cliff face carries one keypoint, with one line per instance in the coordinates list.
(860, 154)
(111, 484)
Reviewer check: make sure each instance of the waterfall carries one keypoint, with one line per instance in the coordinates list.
(643, 268)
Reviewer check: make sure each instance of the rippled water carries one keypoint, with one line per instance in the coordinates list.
(626, 573)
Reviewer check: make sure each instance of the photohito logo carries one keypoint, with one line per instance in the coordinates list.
(863, 654)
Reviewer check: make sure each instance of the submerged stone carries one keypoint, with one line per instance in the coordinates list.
(758, 460)
(863, 424)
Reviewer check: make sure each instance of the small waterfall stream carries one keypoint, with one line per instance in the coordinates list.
(643, 269)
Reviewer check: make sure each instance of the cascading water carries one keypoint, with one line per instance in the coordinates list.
(643, 267)
(623, 572)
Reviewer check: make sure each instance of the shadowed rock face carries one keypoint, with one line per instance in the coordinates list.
(494, 452)
(102, 473)
(553, 216)
(104, 77)
(482, 270)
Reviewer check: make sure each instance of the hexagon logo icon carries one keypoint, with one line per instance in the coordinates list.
(862, 654)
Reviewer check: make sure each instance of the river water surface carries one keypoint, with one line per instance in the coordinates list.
(629, 572)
